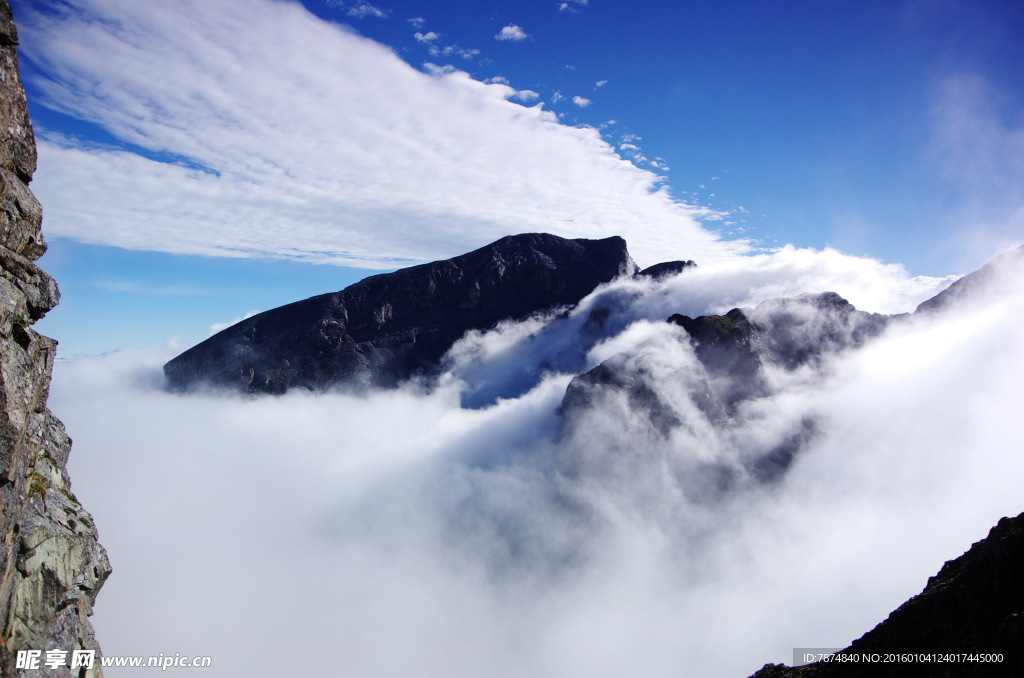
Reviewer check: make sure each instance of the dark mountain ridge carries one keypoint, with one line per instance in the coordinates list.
(733, 352)
(389, 327)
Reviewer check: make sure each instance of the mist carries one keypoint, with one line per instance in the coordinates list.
(466, 528)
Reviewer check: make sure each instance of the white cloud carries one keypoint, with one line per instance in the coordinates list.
(335, 151)
(570, 6)
(400, 519)
(869, 284)
(218, 327)
(453, 51)
(426, 38)
(418, 22)
(513, 33)
(600, 83)
(582, 102)
(361, 10)
(526, 95)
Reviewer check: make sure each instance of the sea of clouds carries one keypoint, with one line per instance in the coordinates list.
(463, 530)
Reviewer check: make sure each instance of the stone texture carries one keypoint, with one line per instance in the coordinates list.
(17, 143)
(51, 564)
(390, 327)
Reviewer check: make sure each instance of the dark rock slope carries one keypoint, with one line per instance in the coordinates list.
(995, 277)
(666, 269)
(974, 606)
(733, 350)
(51, 566)
(390, 327)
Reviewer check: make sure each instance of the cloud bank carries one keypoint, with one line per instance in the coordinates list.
(417, 537)
(273, 133)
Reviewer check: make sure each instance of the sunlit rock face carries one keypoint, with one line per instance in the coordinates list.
(387, 328)
(51, 563)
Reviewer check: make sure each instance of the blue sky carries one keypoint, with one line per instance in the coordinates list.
(201, 160)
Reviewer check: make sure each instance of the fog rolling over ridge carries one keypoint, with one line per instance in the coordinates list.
(472, 529)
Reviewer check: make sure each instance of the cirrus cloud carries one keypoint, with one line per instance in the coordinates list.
(317, 145)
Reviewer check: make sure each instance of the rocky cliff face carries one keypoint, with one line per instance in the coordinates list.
(390, 327)
(51, 564)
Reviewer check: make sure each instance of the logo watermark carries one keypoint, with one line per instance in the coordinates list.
(86, 659)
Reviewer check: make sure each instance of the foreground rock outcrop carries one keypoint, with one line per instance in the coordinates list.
(51, 563)
(389, 327)
(973, 608)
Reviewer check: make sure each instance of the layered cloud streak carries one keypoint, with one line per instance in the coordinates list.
(271, 132)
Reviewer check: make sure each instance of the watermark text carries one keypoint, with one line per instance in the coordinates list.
(86, 659)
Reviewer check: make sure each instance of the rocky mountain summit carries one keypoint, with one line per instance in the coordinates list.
(734, 353)
(389, 327)
(51, 564)
(733, 349)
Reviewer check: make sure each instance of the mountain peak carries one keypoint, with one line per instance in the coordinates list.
(390, 327)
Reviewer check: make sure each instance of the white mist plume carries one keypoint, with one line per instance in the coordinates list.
(417, 537)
